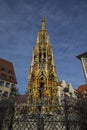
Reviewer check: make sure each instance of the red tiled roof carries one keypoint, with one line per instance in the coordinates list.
(82, 89)
(21, 99)
(59, 83)
(7, 71)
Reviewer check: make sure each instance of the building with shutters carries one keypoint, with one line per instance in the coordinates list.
(8, 80)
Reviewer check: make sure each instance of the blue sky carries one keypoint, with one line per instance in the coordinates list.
(66, 22)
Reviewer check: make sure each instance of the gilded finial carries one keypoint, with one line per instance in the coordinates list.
(43, 23)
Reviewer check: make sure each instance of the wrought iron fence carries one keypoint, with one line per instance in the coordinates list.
(70, 115)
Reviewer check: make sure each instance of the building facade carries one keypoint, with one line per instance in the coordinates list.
(83, 59)
(71, 92)
(8, 80)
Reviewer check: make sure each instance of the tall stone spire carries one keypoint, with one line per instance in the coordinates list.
(43, 35)
(42, 85)
(43, 26)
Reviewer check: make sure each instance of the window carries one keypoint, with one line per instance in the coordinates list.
(11, 78)
(7, 84)
(3, 69)
(1, 83)
(12, 85)
(44, 57)
(3, 75)
(9, 71)
(40, 57)
(5, 94)
(41, 88)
